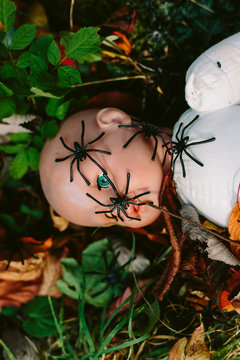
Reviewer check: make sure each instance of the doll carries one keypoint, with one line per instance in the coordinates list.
(105, 168)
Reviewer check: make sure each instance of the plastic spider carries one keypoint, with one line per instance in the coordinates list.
(149, 131)
(112, 276)
(17, 247)
(80, 153)
(120, 203)
(180, 146)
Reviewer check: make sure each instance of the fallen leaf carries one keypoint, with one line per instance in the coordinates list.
(196, 347)
(123, 42)
(224, 303)
(178, 350)
(218, 251)
(209, 225)
(58, 222)
(234, 221)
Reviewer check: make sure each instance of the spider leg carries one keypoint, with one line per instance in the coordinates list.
(65, 145)
(131, 138)
(97, 201)
(84, 178)
(183, 166)
(155, 148)
(82, 135)
(174, 160)
(127, 186)
(101, 151)
(96, 139)
(191, 157)
(165, 143)
(129, 126)
(137, 196)
(112, 217)
(65, 158)
(189, 124)
(144, 203)
(129, 217)
(178, 132)
(201, 142)
(29, 252)
(118, 213)
(71, 169)
(96, 163)
(9, 259)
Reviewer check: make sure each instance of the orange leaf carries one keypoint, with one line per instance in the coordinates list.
(123, 43)
(234, 223)
(224, 303)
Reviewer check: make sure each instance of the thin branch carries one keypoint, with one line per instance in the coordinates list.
(110, 80)
(71, 14)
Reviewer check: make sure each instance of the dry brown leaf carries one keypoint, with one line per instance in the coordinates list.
(15, 293)
(209, 225)
(196, 348)
(51, 273)
(218, 251)
(178, 350)
(58, 222)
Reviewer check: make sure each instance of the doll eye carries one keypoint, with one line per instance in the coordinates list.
(102, 182)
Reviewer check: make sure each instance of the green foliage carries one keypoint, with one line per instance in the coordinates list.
(54, 54)
(23, 36)
(7, 13)
(79, 282)
(85, 41)
(40, 321)
(57, 108)
(19, 165)
(49, 129)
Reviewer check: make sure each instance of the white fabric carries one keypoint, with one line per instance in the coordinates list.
(211, 189)
(213, 79)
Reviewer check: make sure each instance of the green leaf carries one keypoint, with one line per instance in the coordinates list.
(21, 137)
(94, 57)
(49, 129)
(12, 149)
(9, 310)
(40, 321)
(23, 36)
(68, 76)
(9, 221)
(54, 54)
(35, 62)
(40, 46)
(7, 14)
(7, 71)
(38, 214)
(33, 158)
(7, 107)
(56, 108)
(41, 93)
(83, 42)
(38, 141)
(19, 165)
(25, 209)
(4, 90)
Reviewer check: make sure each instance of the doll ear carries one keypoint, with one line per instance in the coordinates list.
(109, 116)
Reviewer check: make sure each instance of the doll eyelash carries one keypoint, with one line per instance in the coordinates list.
(80, 153)
(180, 146)
(149, 131)
(120, 203)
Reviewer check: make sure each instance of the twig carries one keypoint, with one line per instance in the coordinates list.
(135, 77)
(193, 223)
(71, 14)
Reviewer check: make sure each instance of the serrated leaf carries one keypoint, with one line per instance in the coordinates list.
(54, 54)
(35, 62)
(41, 93)
(7, 107)
(57, 109)
(93, 57)
(7, 14)
(40, 46)
(49, 129)
(12, 149)
(68, 75)
(84, 41)
(7, 71)
(19, 165)
(40, 320)
(33, 158)
(23, 36)
(20, 137)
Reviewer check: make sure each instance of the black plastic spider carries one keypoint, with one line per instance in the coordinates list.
(80, 153)
(180, 146)
(120, 203)
(17, 247)
(149, 131)
(112, 276)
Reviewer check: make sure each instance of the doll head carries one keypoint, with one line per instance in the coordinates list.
(102, 169)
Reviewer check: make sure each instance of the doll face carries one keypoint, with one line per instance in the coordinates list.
(93, 182)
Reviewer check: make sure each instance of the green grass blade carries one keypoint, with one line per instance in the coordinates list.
(8, 351)
(126, 344)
